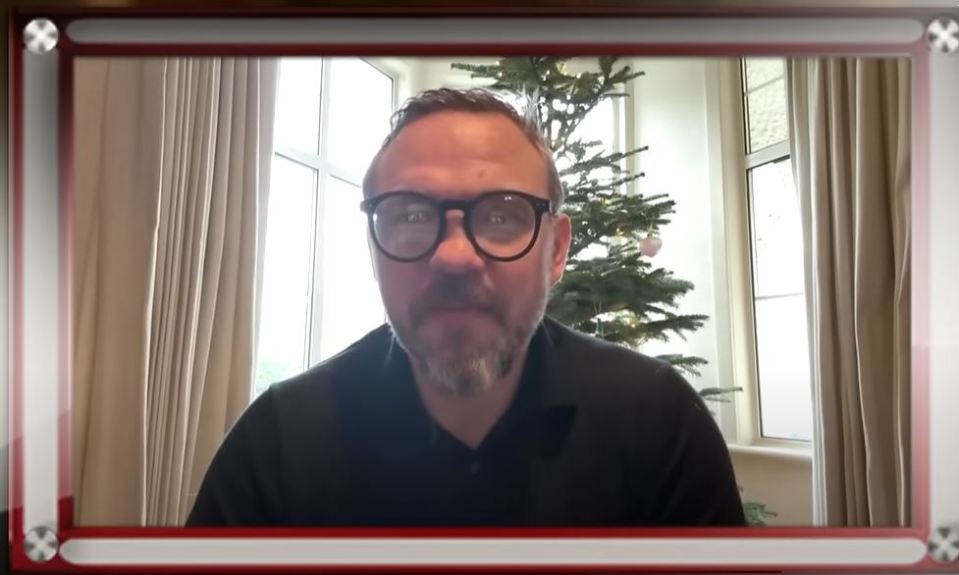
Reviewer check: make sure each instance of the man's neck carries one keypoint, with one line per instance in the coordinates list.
(470, 419)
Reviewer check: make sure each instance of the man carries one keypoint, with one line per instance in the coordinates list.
(470, 407)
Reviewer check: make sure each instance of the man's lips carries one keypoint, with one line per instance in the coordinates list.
(458, 312)
(458, 309)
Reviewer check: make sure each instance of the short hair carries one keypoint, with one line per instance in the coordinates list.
(480, 101)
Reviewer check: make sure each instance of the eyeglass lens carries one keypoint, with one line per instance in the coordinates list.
(408, 226)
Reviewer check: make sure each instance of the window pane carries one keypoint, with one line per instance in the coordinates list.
(762, 70)
(283, 332)
(785, 398)
(351, 299)
(361, 102)
(777, 230)
(766, 112)
(298, 104)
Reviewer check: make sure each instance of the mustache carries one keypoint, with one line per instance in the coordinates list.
(452, 292)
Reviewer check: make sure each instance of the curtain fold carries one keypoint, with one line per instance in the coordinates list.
(172, 164)
(850, 137)
(117, 171)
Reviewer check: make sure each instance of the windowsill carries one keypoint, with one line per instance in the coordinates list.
(795, 453)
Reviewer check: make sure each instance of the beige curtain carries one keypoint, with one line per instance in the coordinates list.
(850, 131)
(171, 176)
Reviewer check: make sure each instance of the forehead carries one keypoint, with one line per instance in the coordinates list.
(460, 153)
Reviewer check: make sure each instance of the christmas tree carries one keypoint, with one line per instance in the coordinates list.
(611, 287)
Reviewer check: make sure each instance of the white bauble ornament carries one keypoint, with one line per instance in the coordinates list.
(650, 245)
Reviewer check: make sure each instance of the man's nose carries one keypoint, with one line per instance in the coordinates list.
(455, 253)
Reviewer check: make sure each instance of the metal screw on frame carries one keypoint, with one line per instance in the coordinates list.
(40, 35)
(942, 35)
(40, 544)
(944, 543)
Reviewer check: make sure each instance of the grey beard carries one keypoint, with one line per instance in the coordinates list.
(462, 371)
(466, 377)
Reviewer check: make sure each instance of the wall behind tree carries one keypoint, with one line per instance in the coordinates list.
(670, 117)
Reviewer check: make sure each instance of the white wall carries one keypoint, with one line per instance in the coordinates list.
(437, 73)
(782, 482)
(670, 117)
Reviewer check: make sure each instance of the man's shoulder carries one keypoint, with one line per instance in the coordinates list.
(575, 344)
(611, 372)
(339, 376)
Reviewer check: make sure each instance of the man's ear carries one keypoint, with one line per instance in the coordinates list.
(562, 235)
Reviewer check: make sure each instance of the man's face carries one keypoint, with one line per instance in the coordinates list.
(464, 318)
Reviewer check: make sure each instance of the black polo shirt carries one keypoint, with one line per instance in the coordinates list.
(596, 435)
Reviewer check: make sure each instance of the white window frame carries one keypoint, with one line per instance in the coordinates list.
(400, 73)
(744, 431)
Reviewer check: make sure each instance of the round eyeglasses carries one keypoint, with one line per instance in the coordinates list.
(501, 225)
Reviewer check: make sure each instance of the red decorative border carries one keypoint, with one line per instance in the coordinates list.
(68, 51)
(921, 292)
(65, 343)
(15, 427)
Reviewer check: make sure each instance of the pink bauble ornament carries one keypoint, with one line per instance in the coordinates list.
(650, 245)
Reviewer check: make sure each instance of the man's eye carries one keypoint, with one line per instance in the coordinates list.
(499, 218)
(417, 217)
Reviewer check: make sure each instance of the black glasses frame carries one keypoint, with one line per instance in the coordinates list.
(540, 206)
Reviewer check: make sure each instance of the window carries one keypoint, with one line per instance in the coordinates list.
(319, 294)
(780, 335)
